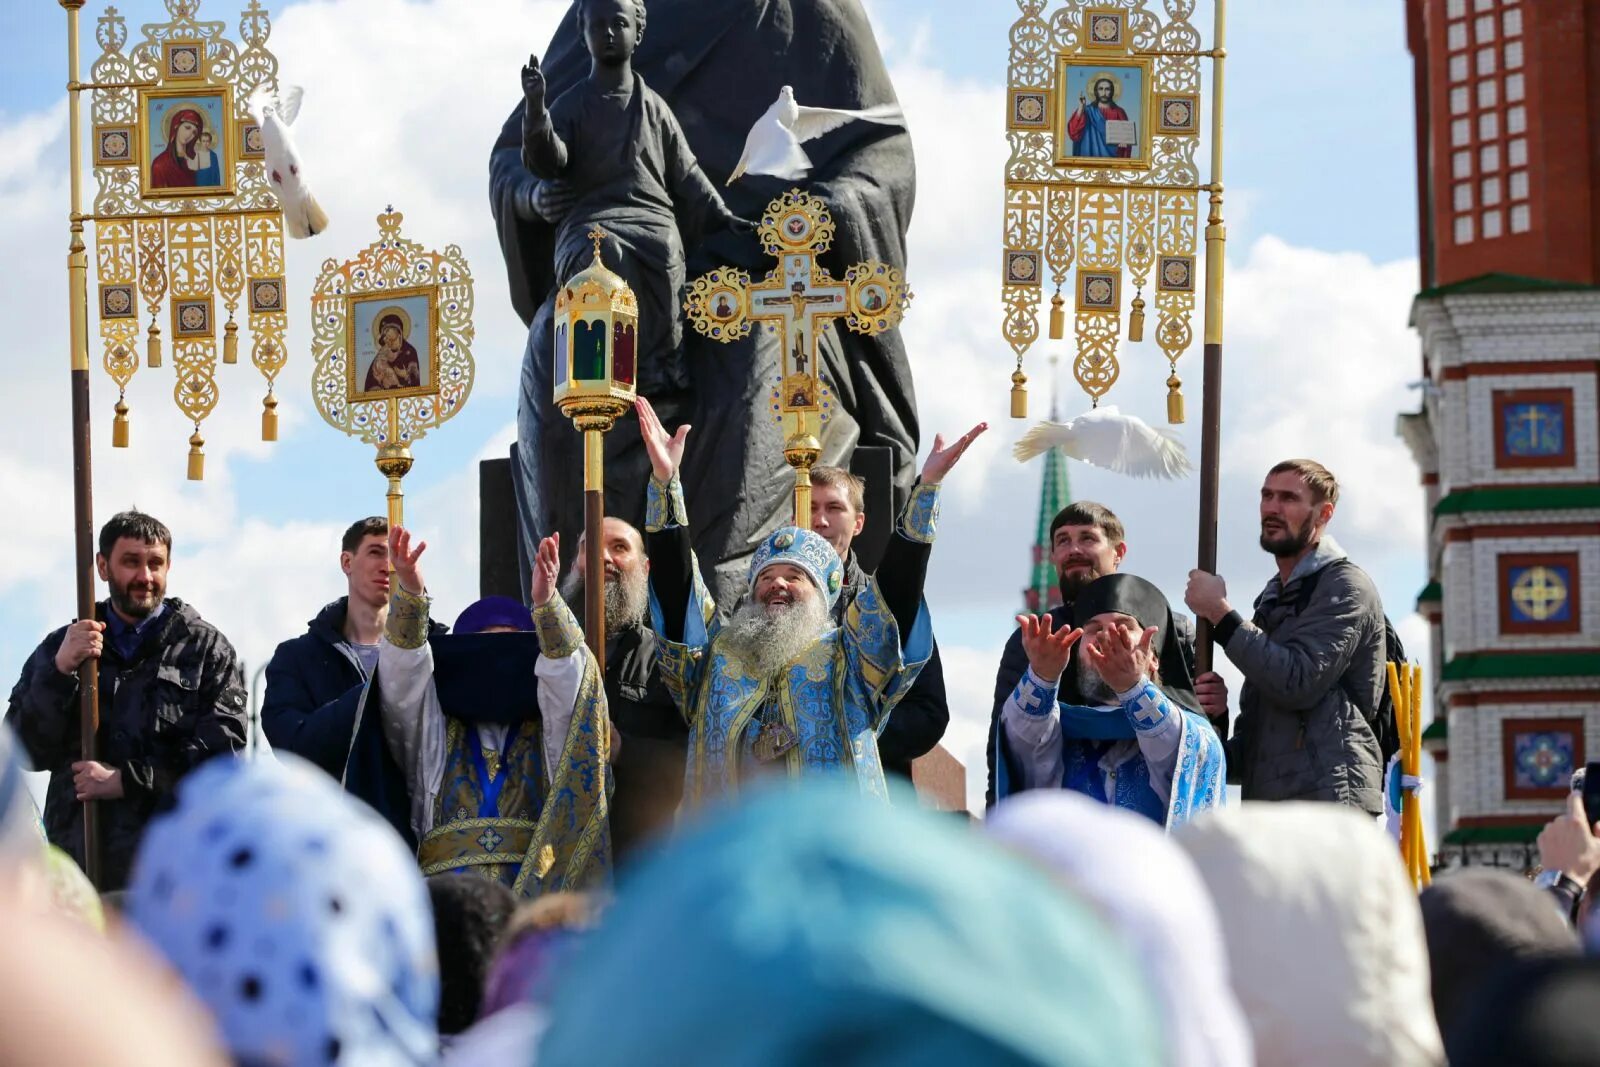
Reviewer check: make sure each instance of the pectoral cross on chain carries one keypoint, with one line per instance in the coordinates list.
(797, 299)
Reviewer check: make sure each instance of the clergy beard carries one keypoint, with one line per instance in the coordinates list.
(769, 640)
(627, 599)
(1095, 691)
(1282, 541)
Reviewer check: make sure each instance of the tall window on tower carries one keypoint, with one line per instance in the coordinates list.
(1488, 120)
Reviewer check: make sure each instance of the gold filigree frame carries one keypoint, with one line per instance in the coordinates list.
(203, 248)
(392, 267)
(1066, 213)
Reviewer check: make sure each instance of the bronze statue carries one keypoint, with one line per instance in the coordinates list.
(614, 152)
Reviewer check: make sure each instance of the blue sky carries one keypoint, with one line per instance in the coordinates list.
(1321, 213)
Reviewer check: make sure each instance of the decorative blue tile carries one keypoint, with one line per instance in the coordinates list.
(1543, 759)
(1534, 429)
(1540, 593)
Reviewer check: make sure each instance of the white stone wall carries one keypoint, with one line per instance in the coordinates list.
(1470, 580)
(1457, 332)
(1475, 736)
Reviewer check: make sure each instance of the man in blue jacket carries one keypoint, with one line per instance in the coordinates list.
(314, 681)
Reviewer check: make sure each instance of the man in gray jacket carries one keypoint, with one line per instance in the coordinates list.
(1312, 656)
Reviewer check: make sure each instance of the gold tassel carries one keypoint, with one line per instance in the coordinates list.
(197, 458)
(1174, 400)
(1019, 394)
(269, 418)
(230, 342)
(119, 425)
(1058, 317)
(1136, 321)
(152, 347)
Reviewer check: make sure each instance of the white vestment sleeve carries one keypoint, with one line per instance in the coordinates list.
(413, 723)
(1159, 729)
(1032, 722)
(558, 694)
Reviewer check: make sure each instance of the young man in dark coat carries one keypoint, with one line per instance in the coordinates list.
(838, 513)
(314, 681)
(171, 696)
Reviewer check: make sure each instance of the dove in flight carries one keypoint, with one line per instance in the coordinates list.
(1104, 437)
(773, 146)
(302, 215)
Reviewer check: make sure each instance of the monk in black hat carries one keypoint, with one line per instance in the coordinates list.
(1139, 742)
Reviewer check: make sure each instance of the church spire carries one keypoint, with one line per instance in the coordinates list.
(1043, 591)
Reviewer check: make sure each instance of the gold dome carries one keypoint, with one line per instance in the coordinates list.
(596, 287)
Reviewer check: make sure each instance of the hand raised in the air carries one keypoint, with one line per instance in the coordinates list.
(1048, 647)
(664, 449)
(533, 85)
(546, 570)
(942, 460)
(405, 560)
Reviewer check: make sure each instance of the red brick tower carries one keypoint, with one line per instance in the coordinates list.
(1508, 440)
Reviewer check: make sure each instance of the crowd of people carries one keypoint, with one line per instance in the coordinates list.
(477, 844)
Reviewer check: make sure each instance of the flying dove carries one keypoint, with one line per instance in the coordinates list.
(302, 215)
(1104, 437)
(773, 146)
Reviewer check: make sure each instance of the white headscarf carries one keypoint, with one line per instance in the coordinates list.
(1127, 867)
(1325, 928)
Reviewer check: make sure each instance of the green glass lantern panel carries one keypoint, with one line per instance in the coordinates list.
(588, 351)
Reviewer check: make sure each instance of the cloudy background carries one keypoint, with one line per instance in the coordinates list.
(404, 99)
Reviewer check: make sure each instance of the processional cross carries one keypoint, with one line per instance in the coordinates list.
(798, 299)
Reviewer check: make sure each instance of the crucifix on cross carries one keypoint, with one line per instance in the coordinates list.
(797, 300)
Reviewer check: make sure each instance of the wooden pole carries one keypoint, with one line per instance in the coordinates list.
(594, 564)
(1211, 403)
(82, 481)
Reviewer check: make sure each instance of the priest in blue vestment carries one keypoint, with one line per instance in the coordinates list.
(1140, 744)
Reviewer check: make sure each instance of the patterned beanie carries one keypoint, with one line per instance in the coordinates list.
(295, 914)
(803, 549)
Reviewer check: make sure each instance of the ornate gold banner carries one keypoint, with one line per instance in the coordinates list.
(187, 229)
(1102, 187)
(391, 334)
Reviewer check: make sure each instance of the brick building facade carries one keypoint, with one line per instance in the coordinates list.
(1508, 435)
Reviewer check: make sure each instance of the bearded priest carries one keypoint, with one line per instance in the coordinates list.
(780, 689)
(1141, 744)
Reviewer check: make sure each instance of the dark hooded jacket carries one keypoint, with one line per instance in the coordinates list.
(176, 702)
(314, 684)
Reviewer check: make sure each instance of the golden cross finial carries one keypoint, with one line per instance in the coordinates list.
(597, 235)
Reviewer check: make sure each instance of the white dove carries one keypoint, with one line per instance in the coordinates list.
(302, 215)
(773, 146)
(1104, 437)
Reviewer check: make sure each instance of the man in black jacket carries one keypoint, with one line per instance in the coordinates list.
(648, 762)
(171, 696)
(838, 513)
(314, 681)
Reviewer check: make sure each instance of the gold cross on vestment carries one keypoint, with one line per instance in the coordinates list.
(797, 300)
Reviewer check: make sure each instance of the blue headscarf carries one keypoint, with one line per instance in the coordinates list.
(810, 925)
(295, 914)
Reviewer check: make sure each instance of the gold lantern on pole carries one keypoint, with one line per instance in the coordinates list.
(596, 380)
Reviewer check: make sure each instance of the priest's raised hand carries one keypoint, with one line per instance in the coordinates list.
(406, 558)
